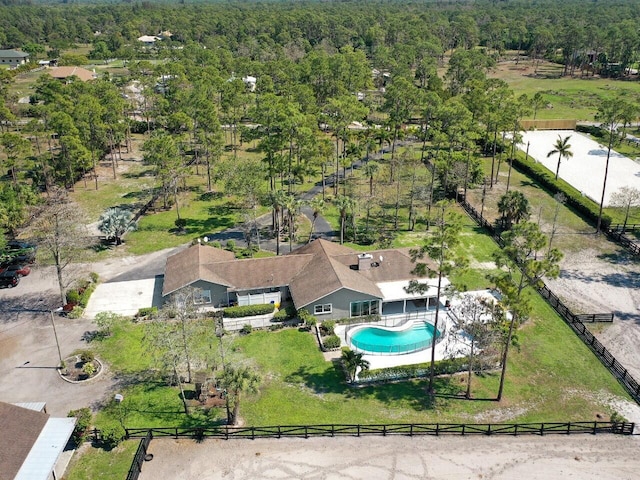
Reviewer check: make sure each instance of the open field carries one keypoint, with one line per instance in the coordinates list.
(566, 97)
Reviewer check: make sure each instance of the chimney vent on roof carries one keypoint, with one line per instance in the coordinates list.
(364, 261)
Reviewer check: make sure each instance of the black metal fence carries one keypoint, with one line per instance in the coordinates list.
(619, 237)
(576, 322)
(139, 457)
(407, 429)
(595, 317)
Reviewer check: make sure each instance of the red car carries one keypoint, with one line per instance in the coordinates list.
(21, 271)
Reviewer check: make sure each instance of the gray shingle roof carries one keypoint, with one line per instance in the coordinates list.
(19, 430)
(13, 54)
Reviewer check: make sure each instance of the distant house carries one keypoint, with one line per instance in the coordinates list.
(250, 82)
(32, 441)
(330, 280)
(66, 73)
(148, 40)
(13, 58)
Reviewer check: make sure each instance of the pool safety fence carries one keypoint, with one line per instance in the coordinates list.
(623, 376)
(407, 429)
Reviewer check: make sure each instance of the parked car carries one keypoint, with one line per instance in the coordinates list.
(20, 270)
(19, 252)
(9, 279)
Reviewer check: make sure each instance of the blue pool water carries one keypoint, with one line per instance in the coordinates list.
(380, 340)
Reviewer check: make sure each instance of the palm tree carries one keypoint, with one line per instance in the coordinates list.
(238, 381)
(344, 205)
(352, 361)
(277, 200)
(317, 205)
(562, 148)
(514, 207)
(370, 170)
(115, 222)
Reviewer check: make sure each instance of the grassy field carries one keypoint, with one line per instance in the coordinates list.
(95, 463)
(566, 97)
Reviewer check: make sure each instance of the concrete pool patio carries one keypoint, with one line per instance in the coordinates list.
(585, 170)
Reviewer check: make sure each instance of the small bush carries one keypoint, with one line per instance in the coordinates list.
(94, 277)
(327, 327)
(87, 356)
(286, 313)
(180, 223)
(248, 310)
(275, 327)
(231, 245)
(331, 342)
(76, 312)
(147, 312)
(81, 430)
(112, 435)
(86, 294)
(246, 329)
(73, 297)
(216, 244)
(89, 369)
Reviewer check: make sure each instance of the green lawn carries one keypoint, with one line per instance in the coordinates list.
(565, 97)
(95, 463)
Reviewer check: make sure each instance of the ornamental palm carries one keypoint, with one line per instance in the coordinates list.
(115, 222)
(352, 361)
(562, 148)
(237, 381)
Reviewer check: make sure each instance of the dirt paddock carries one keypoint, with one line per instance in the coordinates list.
(582, 456)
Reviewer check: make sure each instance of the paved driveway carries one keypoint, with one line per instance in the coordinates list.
(125, 298)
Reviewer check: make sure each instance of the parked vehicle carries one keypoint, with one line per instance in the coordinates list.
(9, 279)
(20, 270)
(19, 252)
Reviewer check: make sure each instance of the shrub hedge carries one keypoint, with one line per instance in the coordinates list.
(248, 310)
(331, 342)
(147, 312)
(441, 367)
(583, 206)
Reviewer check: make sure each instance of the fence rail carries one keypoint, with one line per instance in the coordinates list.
(595, 317)
(139, 457)
(407, 429)
(619, 237)
(630, 384)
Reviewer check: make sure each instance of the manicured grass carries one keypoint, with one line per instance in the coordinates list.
(96, 463)
(552, 376)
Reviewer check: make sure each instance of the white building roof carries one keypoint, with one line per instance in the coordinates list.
(45, 452)
(148, 38)
(36, 406)
(394, 291)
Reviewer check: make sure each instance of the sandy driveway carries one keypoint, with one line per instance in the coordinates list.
(581, 457)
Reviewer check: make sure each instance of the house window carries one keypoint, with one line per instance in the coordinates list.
(201, 297)
(367, 307)
(322, 309)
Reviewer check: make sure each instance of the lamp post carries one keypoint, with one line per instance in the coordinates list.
(55, 334)
(118, 398)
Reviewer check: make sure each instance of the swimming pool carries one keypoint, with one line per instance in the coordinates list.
(418, 336)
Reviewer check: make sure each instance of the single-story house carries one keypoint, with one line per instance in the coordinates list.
(13, 57)
(65, 73)
(32, 442)
(330, 280)
(148, 40)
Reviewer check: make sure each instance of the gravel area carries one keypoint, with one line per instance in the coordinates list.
(583, 457)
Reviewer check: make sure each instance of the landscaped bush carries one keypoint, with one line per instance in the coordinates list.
(248, 310)
(147, 312)
(327, 327)
(112, 435)
(246, 329)
(583, 206)
(81, 430)
(441, 367)
(286, 313)
(86, 294)
(76, 312)
(308, 319)
(73, 297)
(331, 342)
(87, 356)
